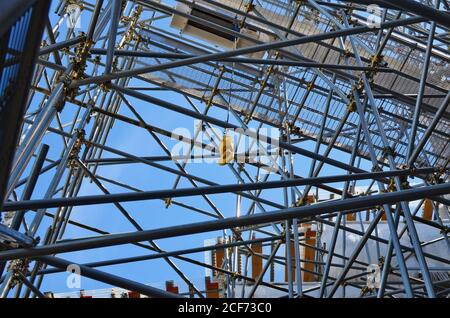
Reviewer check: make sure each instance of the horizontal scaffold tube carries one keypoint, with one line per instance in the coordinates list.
(243, 60)
(165, 254)
(216, 225)
(173, 193)
(246, 50)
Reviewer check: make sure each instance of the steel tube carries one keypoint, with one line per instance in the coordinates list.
(262, 218)
(166, 254)
(242, 60)
(422, 84)
(171, 193)
(247, 50)
(115, 15)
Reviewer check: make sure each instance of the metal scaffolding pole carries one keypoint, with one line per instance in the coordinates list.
(173, 193)
(301, 212)
(423, 81)
(256, 48)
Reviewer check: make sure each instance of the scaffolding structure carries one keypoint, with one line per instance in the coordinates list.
(314, 137)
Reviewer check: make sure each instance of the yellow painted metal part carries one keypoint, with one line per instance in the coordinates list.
(427, 209)
(226, 150)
